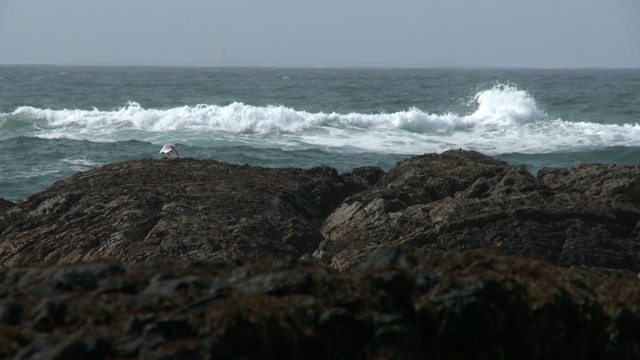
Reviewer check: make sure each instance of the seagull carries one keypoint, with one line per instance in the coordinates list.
(169, 149)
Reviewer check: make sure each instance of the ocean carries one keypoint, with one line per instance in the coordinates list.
(56, 121)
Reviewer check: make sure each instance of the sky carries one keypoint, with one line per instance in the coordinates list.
(398, 33)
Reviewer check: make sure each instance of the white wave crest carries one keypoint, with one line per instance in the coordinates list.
(505, 105)
(505, 120)
(499, 105)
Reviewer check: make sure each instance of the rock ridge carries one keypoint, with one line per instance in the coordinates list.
(190, 209)
(174, 209)
(583, 217)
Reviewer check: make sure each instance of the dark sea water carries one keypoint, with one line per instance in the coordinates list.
(55, 121)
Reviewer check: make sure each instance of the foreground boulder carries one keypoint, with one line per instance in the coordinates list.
(396, 304)
(175, 209)
(585, 217)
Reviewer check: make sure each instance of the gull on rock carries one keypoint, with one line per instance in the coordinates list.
(169, 149)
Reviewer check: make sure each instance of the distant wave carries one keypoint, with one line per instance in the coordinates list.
(506, 119)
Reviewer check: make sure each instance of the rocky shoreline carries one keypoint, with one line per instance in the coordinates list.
(452, 255)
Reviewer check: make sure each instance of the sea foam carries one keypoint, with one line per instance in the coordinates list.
(505, 120)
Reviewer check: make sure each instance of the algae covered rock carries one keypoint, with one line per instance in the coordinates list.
(400, 303)
(174, 209)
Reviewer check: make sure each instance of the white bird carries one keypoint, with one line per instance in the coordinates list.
(169, 149)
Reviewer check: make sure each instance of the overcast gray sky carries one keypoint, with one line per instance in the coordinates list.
(513, 33)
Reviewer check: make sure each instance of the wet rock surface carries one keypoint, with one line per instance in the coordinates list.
(400, 304)
(456, 255)
(585, 217)
(5, 206)
(174, 209)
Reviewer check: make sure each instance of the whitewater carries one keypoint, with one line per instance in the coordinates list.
(55, 121)
(506, 120)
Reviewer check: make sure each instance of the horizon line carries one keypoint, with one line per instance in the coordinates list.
(435, 65)
(233, 63)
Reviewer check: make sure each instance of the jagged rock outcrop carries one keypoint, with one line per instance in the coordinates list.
(398, 304)
(175, 209)
(456, 255)
(135, 211)
(585, 217)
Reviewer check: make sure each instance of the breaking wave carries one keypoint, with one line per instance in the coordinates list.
(504, 120)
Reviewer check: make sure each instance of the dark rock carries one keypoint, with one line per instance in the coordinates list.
(81, 349)
(47, 281)
(33, 349)
(123, 285)
(627, 321)
(399, 286)
(5, 206)
(211, 260)
(174, 327)
(137, 323)
(624, 342)
(365, 176)
(587, 217)
(128, 350)
(10, 313)
(279, 283)
(90, 348)
(182, 354)
(136, 211)
(347, 333)
(475, 304)
(163, 286)
(398, 337)
(385, 257)
(185, 209)
(618, 182)
(49, 314)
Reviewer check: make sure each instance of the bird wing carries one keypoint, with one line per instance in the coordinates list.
(166, 148)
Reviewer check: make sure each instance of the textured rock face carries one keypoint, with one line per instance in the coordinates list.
(586, 217)
(396, 304)
(184, 258)
(194, 209)
(174, 209)
(5, 206)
